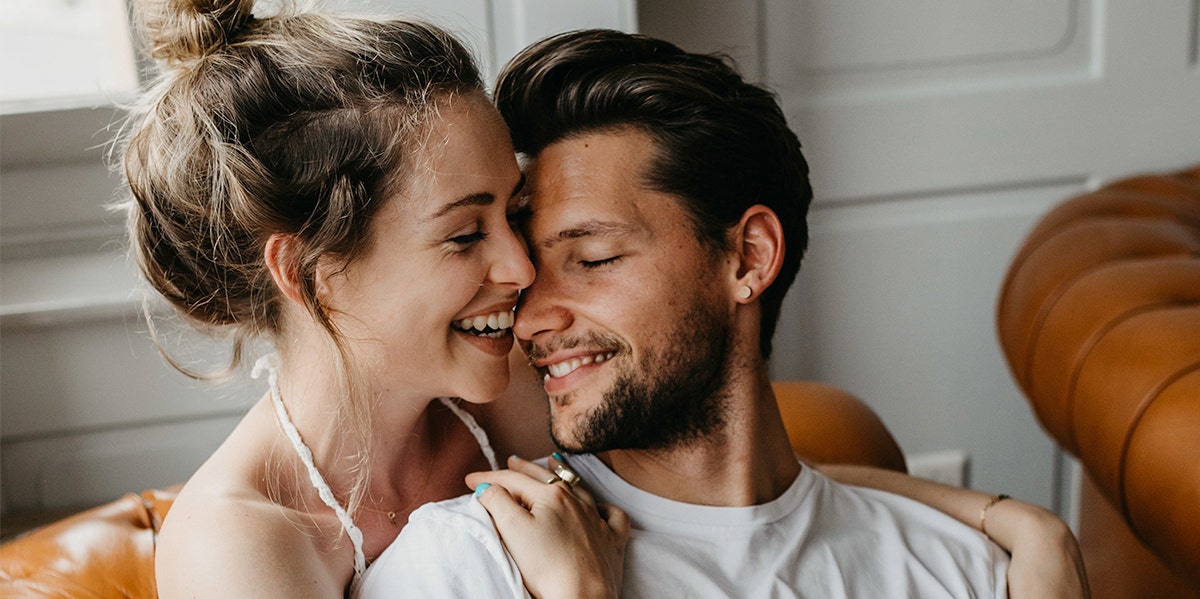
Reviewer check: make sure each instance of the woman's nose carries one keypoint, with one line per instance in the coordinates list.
(512, 265)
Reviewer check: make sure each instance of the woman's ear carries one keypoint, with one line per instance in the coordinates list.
(760, 250)
(281, 257)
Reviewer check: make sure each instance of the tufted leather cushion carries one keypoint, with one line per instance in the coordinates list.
(103, 552)
(1099, 318)
(827, 425)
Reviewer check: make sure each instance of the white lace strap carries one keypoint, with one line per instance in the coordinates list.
(270, 363)
(476, 430)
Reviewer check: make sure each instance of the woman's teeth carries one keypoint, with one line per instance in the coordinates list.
(566, 367)
(491, 325)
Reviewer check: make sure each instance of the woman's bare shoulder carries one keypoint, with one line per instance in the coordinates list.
(227, 545)
(236, 529)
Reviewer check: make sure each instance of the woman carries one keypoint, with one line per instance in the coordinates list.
(340, 188)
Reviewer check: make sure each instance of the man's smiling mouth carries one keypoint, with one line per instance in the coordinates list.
(561, 369)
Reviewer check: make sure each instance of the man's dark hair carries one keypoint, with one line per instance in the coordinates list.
(723, 145)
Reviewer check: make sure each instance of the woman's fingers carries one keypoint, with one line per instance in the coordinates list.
(531, 469)
(503, 507)
(529, 487)
(554, 463)
(562, 542)
(534, 494)
(515, 482)
(617, 520)
(537, 474)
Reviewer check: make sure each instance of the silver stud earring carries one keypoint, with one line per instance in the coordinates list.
(744, 292)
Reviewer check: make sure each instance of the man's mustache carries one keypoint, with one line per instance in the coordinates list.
(590, 340)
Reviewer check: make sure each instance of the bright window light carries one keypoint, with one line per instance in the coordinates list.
(64, 54)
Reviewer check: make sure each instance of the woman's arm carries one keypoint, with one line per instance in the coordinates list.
(1045, 556)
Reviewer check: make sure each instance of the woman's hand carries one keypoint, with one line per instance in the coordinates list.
(1046, 561)
(564, 544)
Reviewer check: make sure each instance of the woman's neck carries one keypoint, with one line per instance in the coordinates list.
(419, 451)
(315, 396)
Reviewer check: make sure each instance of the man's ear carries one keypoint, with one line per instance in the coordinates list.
(282, 255)
(760, 249)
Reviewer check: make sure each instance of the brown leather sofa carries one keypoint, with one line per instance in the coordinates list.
(108, 551)
(1099, 318)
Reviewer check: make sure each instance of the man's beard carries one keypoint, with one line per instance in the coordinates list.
(670, 398)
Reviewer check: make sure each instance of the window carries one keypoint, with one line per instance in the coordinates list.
(57, 54)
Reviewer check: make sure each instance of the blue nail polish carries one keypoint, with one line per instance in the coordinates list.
(481, 488)
(516, 456)
(558, 456)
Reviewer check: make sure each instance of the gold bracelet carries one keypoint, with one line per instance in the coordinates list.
(983, 513)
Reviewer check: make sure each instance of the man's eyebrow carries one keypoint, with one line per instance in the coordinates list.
(591, 228)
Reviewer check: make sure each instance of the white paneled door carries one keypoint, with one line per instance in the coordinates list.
(938, 131)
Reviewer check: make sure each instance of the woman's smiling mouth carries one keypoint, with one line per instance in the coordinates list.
(494, 326)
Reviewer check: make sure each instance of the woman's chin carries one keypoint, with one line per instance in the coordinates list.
(481, 389)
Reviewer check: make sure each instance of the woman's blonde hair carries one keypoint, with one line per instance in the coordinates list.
(299, 123)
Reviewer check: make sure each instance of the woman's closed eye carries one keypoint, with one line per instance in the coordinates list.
(467, 240)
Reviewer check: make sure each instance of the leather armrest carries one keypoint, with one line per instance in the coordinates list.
(1099, 319)
(107, 551)
(827, 425)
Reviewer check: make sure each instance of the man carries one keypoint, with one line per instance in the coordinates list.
(668, 202)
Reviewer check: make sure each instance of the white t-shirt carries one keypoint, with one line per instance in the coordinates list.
(447, 549)
(818, 539)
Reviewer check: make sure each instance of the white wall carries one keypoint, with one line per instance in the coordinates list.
(938, 131)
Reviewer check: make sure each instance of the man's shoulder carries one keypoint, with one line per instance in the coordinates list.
(463, 507)
(819, 538)
(461, 517)
(879, 512)
(904, 535)
(449, 548)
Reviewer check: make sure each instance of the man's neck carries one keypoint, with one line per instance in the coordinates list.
(748, 461)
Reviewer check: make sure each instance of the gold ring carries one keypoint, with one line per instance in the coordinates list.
(566, 475)
(553, 479)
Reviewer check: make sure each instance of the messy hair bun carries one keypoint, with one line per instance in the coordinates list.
(296, 125)
(293, 123)
(178, 30)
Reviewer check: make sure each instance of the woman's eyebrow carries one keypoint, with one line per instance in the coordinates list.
(482, 198)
